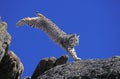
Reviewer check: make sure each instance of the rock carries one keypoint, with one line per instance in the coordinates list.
(5, 39)
(48, 63)
(27, 78)
(11, 66)
(86, 69)
(62, 60)
(45, 64)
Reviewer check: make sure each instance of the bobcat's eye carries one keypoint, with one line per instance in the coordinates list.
(76, 40)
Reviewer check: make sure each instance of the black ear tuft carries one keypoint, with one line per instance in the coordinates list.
(74, 35)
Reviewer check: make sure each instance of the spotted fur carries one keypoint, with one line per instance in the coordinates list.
(66, 41)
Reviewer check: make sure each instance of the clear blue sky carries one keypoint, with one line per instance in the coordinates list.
(96, 21)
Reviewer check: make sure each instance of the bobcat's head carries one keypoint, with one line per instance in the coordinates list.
(73, 40)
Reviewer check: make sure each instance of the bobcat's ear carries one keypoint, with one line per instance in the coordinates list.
(74, 35)
(78, 36)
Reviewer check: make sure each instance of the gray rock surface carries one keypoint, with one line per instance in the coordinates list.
(27, 78)
(10, 65)
(62, 60)
(86, 69)
(48, 63)
(5, 39)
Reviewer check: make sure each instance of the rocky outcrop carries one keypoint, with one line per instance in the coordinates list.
(5, 39)
(10, 65)
(86, 69)
(48, 63)
(52, 68)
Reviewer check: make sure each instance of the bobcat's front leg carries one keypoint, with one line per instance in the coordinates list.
(72, 52)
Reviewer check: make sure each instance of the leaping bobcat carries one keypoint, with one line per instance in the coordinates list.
(66, 41)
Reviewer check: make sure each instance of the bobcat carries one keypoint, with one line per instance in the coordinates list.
(66, 41)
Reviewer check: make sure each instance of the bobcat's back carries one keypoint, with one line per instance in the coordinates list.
(43, 23)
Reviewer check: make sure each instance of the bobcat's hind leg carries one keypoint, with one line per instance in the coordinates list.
(22, 21)
(28, 21)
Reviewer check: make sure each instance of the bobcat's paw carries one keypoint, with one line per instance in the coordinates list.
(77, 59)
(23, 21)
